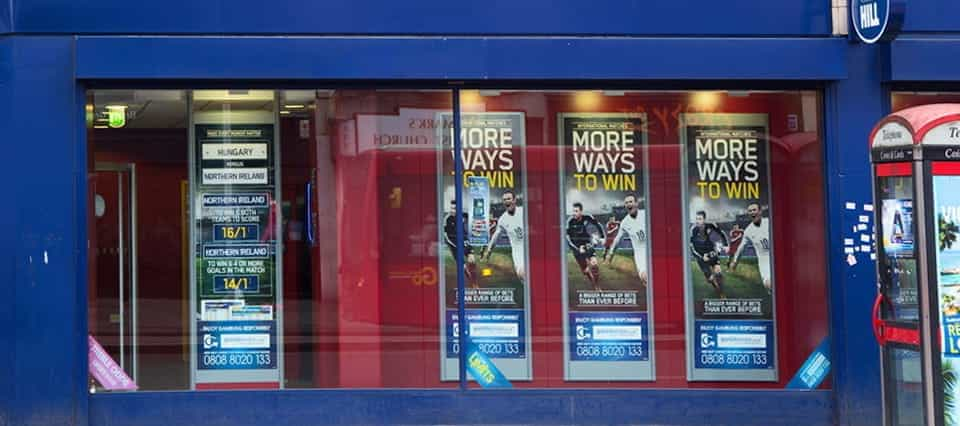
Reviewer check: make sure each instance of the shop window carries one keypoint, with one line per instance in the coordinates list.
(251, 239)
(670, 239)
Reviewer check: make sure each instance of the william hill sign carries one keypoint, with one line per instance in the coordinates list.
(876, 20)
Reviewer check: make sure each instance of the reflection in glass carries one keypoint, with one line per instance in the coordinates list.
(360, 214)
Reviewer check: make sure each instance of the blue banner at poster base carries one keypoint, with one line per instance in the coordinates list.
(814, 369)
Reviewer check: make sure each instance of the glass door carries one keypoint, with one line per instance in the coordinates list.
(113, 319)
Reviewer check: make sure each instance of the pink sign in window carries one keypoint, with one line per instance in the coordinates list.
(105, 369)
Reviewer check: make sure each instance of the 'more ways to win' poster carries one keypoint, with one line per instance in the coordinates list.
(730, 287)
(605, 247)
(497, 290)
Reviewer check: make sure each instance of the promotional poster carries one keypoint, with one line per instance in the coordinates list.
(235, 272)
(730, 284)
(898, 265)
(605, 247)
(946, 204)
(495, 248)
(897, 222)
(238, 154)
(237, 256)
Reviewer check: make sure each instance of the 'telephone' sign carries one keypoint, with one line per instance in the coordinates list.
(875, 20)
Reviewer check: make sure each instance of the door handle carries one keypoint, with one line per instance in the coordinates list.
(878, 326)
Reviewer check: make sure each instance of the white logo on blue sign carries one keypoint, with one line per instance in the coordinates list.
(706, 341)
(209, 341)
(870, 18)
(582, 333)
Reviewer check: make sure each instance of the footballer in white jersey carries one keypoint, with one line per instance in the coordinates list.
(634, 226)
(511, 222)
(758, 233)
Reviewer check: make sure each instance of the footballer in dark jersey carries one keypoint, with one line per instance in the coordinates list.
(703, 240)
(581, 244)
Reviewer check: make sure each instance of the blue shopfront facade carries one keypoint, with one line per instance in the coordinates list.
(52, 52)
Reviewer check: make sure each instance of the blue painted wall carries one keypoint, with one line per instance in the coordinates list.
(852, 108)
(932, 16)
(7, 232)
(924, 58)
(43, 255)
(425, 407)
(929, 42)
(550, 17)
(6, 17)
(460, 58)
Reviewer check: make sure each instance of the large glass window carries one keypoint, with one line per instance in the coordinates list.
(250, 239)
(663, 239)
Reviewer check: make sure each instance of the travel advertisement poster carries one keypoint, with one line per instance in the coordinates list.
(946, 206)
